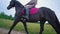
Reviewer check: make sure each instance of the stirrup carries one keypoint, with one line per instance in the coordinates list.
(26, 17)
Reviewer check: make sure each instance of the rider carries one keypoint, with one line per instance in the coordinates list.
(28, 6)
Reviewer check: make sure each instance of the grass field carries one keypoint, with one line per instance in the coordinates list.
(33, 28)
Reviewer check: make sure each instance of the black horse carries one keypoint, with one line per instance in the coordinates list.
(42, 15)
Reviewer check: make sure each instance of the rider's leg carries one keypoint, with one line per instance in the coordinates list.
(27, 12)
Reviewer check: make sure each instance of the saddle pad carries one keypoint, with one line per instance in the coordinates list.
(32, 11)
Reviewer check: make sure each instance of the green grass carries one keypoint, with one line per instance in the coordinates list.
(33, 28)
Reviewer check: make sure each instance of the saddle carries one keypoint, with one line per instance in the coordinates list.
(31, 11)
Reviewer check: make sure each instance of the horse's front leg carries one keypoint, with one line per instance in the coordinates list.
(14, 24)
(25, 26)
(41, 26)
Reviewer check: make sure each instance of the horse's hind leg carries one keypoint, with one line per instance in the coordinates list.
(14, 24)
(41, 26)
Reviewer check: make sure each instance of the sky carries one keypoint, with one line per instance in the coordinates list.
(52, 4)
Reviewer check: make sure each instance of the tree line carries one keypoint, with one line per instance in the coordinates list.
(4, 16)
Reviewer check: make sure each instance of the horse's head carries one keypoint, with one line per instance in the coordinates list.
(12, 4)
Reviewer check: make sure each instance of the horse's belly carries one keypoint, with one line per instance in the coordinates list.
(34, 17)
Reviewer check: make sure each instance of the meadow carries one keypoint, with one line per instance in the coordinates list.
(33, 28)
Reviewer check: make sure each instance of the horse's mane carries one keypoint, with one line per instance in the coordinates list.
(19, 4)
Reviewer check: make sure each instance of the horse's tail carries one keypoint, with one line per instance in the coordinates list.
(57, 24)
(51, 13)
(57, 21)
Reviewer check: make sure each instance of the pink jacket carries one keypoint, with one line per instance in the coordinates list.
(31, 4)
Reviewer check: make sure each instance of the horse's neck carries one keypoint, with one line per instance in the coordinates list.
(18, 6)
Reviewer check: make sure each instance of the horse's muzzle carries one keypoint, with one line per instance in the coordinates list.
(9, 7)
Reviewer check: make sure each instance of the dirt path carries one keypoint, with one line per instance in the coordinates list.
(4, 31)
